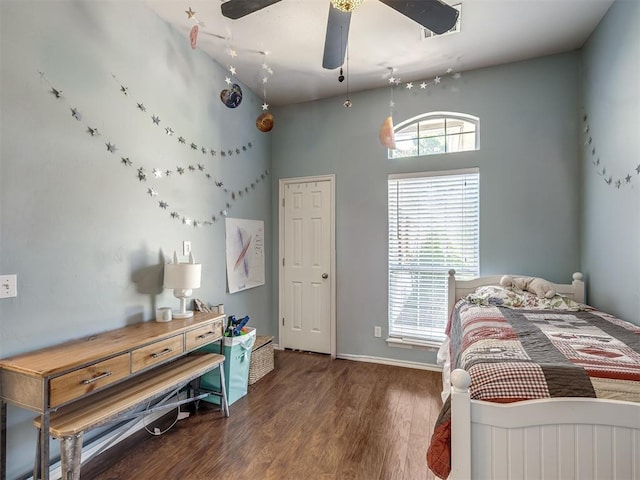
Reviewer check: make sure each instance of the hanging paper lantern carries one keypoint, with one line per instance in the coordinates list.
(193, 36)
(265, 122)
(386, 133)
(231, 97)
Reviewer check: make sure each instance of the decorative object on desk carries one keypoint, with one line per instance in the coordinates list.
(163, 314)
(202, 306)
(182, 278)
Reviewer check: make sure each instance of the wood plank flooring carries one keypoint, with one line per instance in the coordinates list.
(311, 418)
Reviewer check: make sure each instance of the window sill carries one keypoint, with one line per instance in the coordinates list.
(413, 343)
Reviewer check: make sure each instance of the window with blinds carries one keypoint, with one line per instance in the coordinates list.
(433, 227)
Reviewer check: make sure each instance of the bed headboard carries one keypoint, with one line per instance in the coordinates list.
(460, 288)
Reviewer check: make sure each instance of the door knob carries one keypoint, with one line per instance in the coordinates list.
(325, 275)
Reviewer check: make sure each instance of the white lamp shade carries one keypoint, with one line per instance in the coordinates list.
(182, 275)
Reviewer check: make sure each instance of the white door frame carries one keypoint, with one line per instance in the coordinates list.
(283, 182)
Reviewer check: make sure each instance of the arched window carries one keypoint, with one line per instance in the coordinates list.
(435, 133)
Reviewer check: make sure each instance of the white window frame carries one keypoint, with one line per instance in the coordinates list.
(405, 261)
(447, 135)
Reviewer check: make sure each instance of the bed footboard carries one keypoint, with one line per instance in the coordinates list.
(555, 438)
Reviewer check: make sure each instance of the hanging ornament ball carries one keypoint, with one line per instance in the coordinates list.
(265, 122)
(231, 97)
(347, 103)
(193, 36)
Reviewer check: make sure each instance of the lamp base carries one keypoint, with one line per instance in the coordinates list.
(187, 314)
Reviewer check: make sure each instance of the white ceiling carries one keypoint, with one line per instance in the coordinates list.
(292, 33)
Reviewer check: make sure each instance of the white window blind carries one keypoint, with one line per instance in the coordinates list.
(433, 227)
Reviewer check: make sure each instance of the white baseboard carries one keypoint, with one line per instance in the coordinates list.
(383, 361)
(390, 361)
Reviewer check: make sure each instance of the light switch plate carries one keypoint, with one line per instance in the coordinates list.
(8, 286)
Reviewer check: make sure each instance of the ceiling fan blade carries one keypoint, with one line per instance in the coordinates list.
(235, 9)
(432, 14)
(335, 42)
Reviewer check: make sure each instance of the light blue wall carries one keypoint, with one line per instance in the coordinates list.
(529, 179)
(78, 227)
(611, 91)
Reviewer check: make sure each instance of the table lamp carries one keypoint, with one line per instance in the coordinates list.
(182, 277)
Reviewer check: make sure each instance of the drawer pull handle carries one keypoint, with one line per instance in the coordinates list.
(205, 335)
(163, 352)
(95, 379)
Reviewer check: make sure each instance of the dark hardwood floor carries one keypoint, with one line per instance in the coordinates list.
(311, 418)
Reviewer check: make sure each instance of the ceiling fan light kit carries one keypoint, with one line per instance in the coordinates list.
(346, 5)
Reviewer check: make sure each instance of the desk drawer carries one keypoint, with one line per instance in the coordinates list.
(156, 353)
(203, 335)
(88, 379)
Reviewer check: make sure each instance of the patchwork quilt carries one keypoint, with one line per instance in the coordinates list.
(522, 353)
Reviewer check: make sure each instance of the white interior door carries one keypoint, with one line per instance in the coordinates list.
(307, 310)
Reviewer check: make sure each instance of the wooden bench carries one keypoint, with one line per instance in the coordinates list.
(117, 403)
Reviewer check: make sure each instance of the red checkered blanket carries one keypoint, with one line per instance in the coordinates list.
(518, 354)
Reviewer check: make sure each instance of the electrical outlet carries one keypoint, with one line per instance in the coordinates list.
(8, 286)
(186, 247)
(377, 331)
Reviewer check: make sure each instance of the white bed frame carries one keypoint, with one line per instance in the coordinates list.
(558, 438)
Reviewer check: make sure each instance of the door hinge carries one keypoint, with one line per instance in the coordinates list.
(282, 202)
(283, 261)
(283, 321)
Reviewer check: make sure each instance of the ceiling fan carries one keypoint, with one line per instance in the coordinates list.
(431, 14)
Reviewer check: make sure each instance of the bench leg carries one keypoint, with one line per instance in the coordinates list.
(70, 456)
(223, 400)
(3, 440)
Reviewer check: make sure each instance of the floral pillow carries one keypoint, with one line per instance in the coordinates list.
(494, 295)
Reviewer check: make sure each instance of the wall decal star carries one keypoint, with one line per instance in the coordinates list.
(126, 162)
(265, 106)
(75, 114)
(227, 80)
(194, 146)
(232, 69)
(163, 205)
(111, 148)
(409, 86)
(141, 107)
(437, 80)
(169, 131)
(151, 192)
(180, 170)
(182, 140)
(142, 175)
(56, 93)
(190, 13)
(124, 89)
(157, 173)
(155, 119)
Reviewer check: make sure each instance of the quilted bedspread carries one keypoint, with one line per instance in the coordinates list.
(515, 354)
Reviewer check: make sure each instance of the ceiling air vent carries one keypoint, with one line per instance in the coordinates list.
(426, 33)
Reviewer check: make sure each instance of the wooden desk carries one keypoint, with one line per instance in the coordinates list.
(46, 379)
